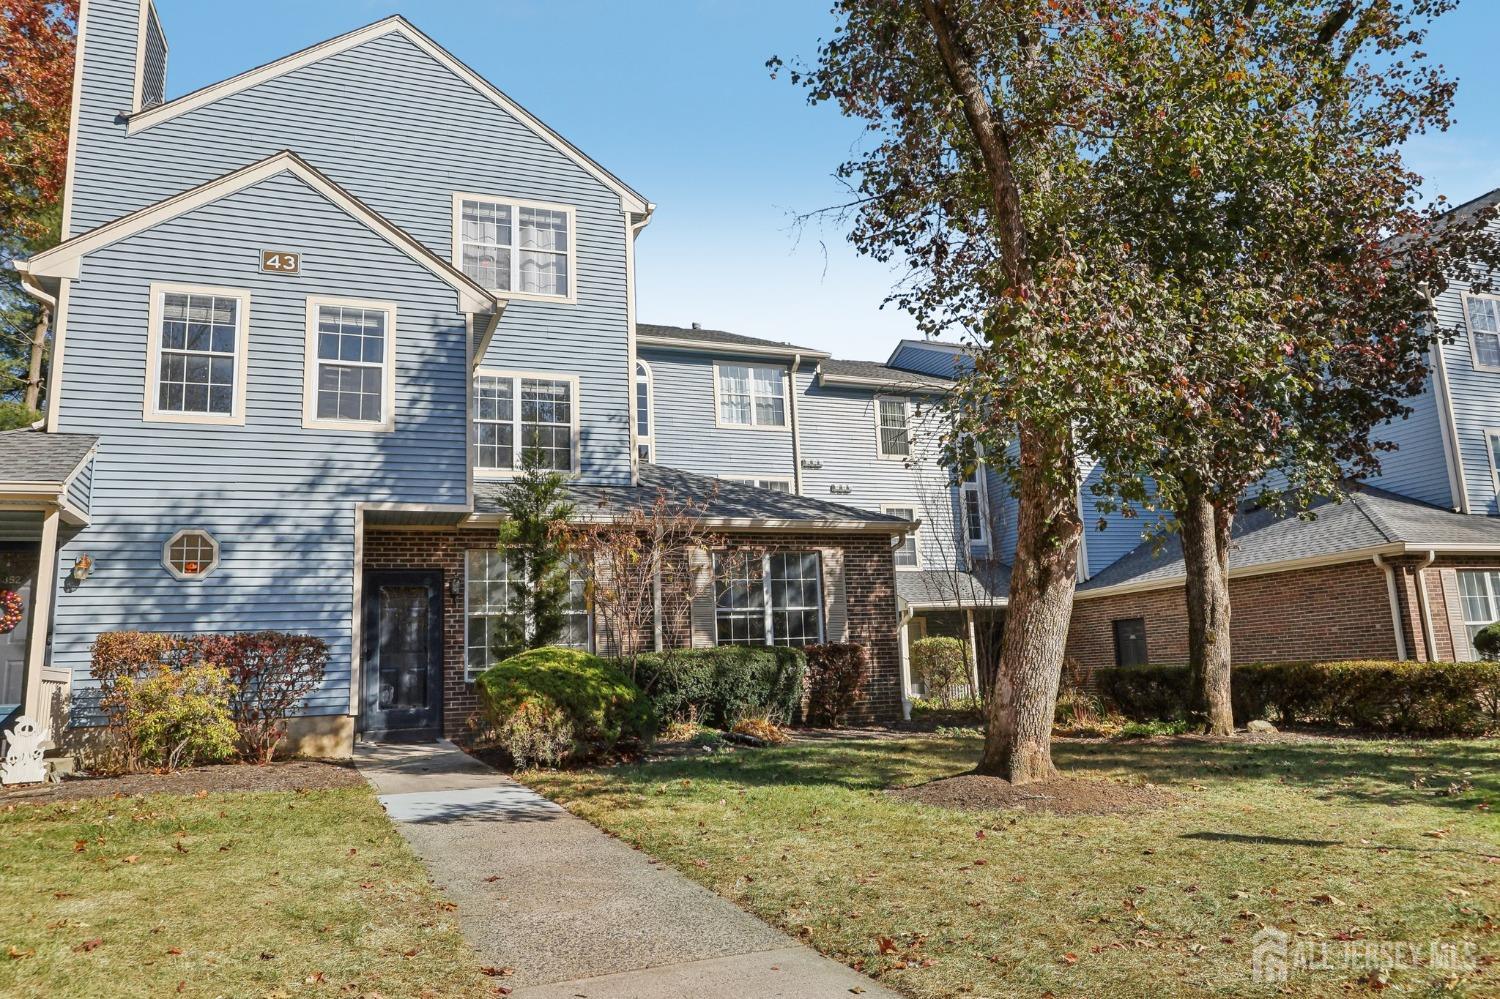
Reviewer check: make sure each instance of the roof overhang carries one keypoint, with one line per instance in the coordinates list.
(630, 200)
(883, 384)
(740, 524)
(66, 259)
(716, 347)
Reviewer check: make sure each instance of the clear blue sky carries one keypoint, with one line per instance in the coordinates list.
(673, 97)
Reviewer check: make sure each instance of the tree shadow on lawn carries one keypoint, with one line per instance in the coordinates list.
(1455, 775)
(1355, 771)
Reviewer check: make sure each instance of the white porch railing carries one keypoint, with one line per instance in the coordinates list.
(53, 714)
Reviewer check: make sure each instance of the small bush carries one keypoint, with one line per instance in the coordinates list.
(719, 686)
(1407, 698)
(835, 679)
(761, 728)
(270, 672)
(537, 734)
(1146, 729)
(1487, 641)
(178, 717)
(599, 702)
(941, 665)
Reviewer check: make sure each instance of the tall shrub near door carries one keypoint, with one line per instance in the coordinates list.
(835, 680)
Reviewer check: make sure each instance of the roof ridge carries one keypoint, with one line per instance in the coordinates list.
(1376, 520)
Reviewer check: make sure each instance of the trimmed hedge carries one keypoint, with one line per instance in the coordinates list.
(1406, 698)
(722, 685)
(599, 703)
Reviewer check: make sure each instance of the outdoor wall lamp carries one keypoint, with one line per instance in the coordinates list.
(82, 566)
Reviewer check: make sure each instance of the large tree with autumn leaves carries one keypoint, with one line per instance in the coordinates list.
(37, 45)
(1181, 236)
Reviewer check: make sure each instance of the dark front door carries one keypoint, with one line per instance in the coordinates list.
(17, 572)
(403, 654)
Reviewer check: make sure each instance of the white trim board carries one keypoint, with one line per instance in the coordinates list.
(155, 313)
(139, 122)
(515, 248)
(732, 349)
(312, 363)
(65, 259)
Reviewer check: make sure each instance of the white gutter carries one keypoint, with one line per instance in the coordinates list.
(796, 436)
(904, 614)
(1458, 488)
(911, 388)
(718, 347)
(1429, 639)
(1390, 592)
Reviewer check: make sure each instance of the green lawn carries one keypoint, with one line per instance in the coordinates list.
(235, 894)
(1339, 843)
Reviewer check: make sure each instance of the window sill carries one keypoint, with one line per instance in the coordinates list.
(196, 419)
(350, 426)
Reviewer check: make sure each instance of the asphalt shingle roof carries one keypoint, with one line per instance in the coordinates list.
(945, 588)
(34, 456)
(716, 500)
(875, 371)
(1365, 518)
(722, 337)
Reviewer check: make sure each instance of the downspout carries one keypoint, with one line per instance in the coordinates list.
(1390, 592)
(1429, 639)
(1456, 483)
(904, 614)
(796, 435)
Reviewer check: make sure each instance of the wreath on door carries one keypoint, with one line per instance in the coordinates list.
(10, 611)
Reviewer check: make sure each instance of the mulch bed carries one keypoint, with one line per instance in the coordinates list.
(292, 775)
(1059, 796)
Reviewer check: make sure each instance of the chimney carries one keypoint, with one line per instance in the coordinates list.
(697, 326)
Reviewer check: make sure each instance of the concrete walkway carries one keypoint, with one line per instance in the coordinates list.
(577, 913)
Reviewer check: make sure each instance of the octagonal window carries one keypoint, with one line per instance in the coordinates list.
(191, 554)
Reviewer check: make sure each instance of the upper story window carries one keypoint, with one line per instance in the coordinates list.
(751, 395)
(351, 365)
(971, 508)
(643, 387)
(522, 249)
(891, 423)
(904, 546)
(519, 416)
(775, 485)
(768, 599)
(1483, 312)
(197, 346)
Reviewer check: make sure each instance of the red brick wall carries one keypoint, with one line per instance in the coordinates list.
(1330, 612)
(870, 589)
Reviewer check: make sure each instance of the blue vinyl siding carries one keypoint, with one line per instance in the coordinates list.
(80, 489)
(913, 356)
(279, 498)
(1418, 467)
(1120, 535)
(685, 429)
(154, 68)
(1476, 408)
(402, 133)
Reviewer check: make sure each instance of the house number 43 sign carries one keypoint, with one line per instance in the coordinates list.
(280, 262)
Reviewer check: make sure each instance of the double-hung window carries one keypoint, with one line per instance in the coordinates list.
(751, 395)
(1483, 313)
(891, 423)
(520, 416)
(643, 387)
(518, 248)
(1480, 591)
(492, 588)
(196, 356)
(351, 365)
(774, 485)
(768, 599)
(903, 546)
(971, 508)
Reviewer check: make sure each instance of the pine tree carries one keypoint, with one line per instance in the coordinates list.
(537, 602)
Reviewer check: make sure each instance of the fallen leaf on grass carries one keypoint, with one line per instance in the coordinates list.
(492, 879)
(132, 858)
(886, 945)
(1326, 899)
(17, 953)
(494, 972)
(174, 951)
(88, 945)
(1070, 958)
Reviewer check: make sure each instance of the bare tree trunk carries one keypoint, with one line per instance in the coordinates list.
(34, 373)
(1205, 552)
(1018, 736)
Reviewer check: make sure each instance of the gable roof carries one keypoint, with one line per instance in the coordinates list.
(834, 371)
(35, 458)
(395, 24)
(717, 341)
(718, 503)
(1358, 524)
(64, 259)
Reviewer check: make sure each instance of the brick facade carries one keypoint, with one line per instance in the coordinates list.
(1329, 612)
(870, 595)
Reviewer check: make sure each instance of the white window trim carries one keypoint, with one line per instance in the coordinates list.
(914, 534)
(469, 676)
(649, 377)
(1491, 435)
(1468, 328)
(457, 259)
(515, 377)
(751, 480)
(769, 611)
(166, 554)
(784, 428)
(310, 419)
(236, 415)
(978, 487)
(880, 440)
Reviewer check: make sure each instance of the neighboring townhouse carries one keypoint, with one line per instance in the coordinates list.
(308, 322)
